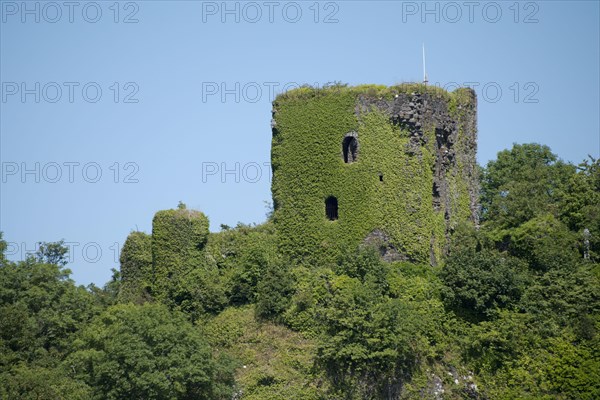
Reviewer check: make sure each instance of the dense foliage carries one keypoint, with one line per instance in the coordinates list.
(178, 237)
(136, 267)
(146, 352)
(513, 311)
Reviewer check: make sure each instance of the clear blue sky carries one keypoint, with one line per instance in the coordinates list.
(180, 55)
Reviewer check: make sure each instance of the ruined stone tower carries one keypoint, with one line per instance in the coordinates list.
(391, 166)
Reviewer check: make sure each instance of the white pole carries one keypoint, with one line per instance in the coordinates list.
(425, 81)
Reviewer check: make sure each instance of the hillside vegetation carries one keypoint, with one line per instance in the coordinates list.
(512, 311)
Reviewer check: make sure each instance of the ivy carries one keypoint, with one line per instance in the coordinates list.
(178, 238)
(136, 267)
(387, 187)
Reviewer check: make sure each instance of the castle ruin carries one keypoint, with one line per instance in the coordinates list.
(390, 166)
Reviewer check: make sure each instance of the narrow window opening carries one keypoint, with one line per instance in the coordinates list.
(349, 148)
(380, 177)
(437, 202)
(331, 208)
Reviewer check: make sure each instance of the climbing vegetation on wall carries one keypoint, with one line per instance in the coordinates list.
(178, 238)
(136, 267)
(340, 144)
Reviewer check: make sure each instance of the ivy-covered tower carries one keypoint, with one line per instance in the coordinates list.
(390, 166)
(153, 266)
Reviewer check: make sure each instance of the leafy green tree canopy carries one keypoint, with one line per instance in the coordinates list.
(522, 183)
(147, 352)
(479, 283)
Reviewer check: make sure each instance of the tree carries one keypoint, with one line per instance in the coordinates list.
(581, 207)
(372, 343)
(243, 255)
(2, 247)
(53, 253)
(274, 291)
(544, 242)
(40, 311)
(522, 183)
(201, 292)
(39, 383)
(40, 308)
(565, 297)
(478, 283)
(147, 352)
(364, 264)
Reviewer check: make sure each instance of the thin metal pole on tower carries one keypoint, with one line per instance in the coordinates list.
(425, 80)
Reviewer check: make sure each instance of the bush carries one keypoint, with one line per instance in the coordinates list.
(146, 352)
(274, 291)
(478, 283)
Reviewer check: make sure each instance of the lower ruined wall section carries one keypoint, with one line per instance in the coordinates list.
(136, 268)
(178, 240)
(397, 165)
(153, 265)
